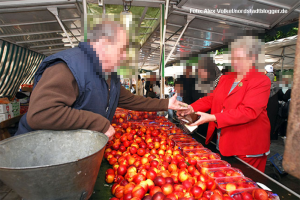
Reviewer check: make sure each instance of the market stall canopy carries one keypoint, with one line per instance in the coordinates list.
(209, 31)
(48, 26)
(281, 53)
(31, 24)
(30, 31)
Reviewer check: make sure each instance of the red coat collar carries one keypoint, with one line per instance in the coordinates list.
(252, 73)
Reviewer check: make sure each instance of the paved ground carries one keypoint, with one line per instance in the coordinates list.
(277, 146)
(7, 194)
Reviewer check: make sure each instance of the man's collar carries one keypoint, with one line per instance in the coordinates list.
(87, 48)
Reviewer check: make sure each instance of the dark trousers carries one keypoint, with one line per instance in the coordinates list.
(272, 110)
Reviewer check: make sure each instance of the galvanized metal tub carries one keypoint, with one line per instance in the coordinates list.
(52, 165)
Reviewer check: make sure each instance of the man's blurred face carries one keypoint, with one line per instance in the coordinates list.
(112, 52)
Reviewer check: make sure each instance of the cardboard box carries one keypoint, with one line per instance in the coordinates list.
(15, 105)
(26, 89)
(5, 116)
(5, 108)
(9, 116)
(14, 113)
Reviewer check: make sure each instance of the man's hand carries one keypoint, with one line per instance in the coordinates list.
(188, 111)
(110, 132)
(174, 104)
(204, 118)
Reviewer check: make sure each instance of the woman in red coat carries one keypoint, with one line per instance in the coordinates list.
(238, 107)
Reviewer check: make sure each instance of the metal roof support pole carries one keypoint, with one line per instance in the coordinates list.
(54, 11)
(164, 8)
(41, 40)
(194, 38)
(39, 22)
(165, 19)
(196, 29)
(182, 32)
(22, 8)
(47, 45)
(285, 15)
(285, 55)
(78, 8)
(181, 3)
(84, 20)
(143, 16)
(282, 59)
(30, 33)
(53, 49)
(291, 157)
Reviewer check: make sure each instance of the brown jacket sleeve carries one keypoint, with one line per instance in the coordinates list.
(51, 101)
(130, 101)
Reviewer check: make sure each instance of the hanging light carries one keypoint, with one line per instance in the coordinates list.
(126, 15)
(100, 2)
(127, 5)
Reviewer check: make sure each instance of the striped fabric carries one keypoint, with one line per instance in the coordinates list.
(17, 67)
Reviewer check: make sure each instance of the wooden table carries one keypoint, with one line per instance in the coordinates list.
(6, 124)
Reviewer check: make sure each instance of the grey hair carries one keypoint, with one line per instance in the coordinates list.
(107, 29)
(252, 45)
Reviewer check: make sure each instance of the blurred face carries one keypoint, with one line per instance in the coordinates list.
(152, 77)
(111, 53)
(241, 62)
(202, 73)
(188, 71)
(179, 89)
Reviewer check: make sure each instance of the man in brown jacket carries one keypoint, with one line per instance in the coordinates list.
(78, 88)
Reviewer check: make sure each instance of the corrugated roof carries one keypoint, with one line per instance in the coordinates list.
(29, 24)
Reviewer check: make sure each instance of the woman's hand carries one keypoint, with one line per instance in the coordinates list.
(204, 118)
(188, 111)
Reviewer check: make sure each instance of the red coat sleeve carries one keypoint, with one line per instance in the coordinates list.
(254, 102)
(204, 104)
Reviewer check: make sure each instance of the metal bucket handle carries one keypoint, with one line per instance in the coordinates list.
(83, 195)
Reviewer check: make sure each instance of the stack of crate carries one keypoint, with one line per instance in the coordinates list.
(9, 110)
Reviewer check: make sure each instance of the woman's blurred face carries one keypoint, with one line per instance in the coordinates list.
(202, 73)
(240, 61)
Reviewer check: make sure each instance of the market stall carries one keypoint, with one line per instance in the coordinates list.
(141, 128)
(168, 31)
